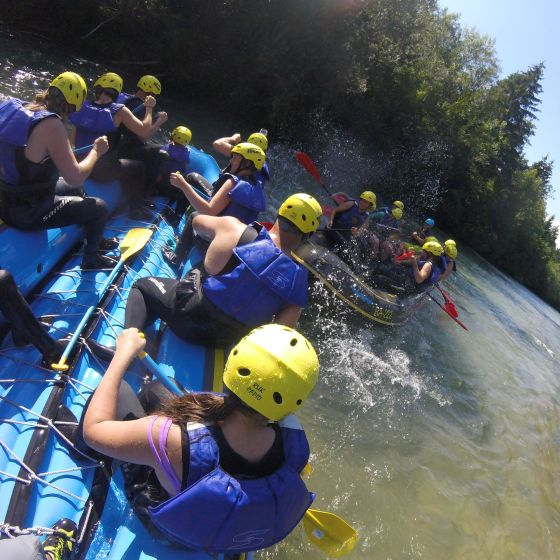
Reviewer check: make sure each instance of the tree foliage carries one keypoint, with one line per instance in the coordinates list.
(402, 76)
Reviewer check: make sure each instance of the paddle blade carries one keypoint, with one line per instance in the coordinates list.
(405, 255)
(304, 160)
(449, 306)
(134, 241)
(329, 533)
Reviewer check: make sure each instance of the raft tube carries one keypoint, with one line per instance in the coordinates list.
(43, 476)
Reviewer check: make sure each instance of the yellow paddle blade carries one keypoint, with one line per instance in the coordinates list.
(134, 241)
(329, 532)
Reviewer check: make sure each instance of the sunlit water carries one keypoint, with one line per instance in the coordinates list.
(432, 441)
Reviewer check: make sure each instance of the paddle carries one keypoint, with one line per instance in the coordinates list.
(405, 255)
(329, 532)
(304, 160)
(133, 242)
(444, 309)
(448, 305)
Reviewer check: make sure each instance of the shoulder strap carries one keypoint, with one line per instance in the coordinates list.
(161, 456)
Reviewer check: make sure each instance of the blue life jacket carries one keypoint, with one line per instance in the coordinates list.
(263, 174)
(124, 97)
(438, 268)
(16, 124)
(247, 199)
(94, 120)
(179, 157)
(350, 218)
(262, 284)
(218, 513)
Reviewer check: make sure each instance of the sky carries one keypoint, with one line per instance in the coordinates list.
(525, 34)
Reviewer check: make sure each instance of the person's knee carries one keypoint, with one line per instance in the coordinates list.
(8, 286)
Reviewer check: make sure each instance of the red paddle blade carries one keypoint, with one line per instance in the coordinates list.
(449, 306)
(305, 161)
(405, 255)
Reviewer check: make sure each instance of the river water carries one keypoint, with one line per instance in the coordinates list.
(434, 442)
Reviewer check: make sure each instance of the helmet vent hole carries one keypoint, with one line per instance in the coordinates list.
(277, 398)
(235, 351)
(293, 342)
(244, 371)
(298, 402)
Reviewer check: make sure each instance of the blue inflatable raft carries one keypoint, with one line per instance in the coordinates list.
(43, 477)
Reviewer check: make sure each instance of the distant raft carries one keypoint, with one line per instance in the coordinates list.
(379, 305)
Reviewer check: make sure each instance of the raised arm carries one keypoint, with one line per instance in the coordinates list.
(224, 145)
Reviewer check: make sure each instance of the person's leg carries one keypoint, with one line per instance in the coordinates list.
(17, 312)
(186, 241)
(148, 299)
(132, 175)
(91, 212)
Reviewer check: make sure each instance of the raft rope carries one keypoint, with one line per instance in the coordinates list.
(81, 389)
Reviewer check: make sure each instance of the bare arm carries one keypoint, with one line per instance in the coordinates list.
(448, 270)
(224, 145)
(211, 207)
(421, 275)
(289, 316)
(102, 431)
(223, 233)
(49, 138)
(340, 208)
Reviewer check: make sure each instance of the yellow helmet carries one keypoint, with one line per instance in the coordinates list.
(370, 197)
(109, 80)
(398, 204)
(433, 247)
(450, 248)
(259, 139)
(397, 213)
(431, 238)
(251, 152)
(72, 86)
(181, 135)
(303, 211)
(149, 84)
(273, 370)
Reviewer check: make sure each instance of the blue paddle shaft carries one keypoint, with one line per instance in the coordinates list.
(162, 377)
(89, 312)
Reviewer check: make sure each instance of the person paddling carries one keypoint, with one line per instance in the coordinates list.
(450, 248)
(105, 116)
(248, 279)
(179, 156)
(238, 193)
(426, 269)
(34, 151)
(420, 236)
(134, 146)
(224, 469)
(348, 217)
(225, 145)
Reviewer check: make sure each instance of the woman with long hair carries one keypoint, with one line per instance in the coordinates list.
(34, 152)
(223, 464)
